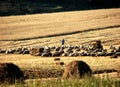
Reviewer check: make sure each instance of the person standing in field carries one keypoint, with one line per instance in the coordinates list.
(63, 42)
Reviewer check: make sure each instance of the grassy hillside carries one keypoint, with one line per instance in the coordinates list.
(76, 27)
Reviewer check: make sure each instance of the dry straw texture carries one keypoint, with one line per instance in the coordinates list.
(76, 69)
(9, 73)
(76, 27)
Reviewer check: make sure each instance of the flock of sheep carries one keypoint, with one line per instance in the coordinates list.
(94, 49)
(75, 69)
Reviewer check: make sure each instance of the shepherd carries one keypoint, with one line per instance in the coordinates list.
(63, 42)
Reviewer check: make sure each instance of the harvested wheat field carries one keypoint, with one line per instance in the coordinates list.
(76, 27)
(41, 64)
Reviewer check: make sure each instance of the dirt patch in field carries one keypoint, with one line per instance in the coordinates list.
(56, 73)
(40, 73)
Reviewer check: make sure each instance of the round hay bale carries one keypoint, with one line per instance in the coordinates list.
(10, 73)
(32, 51)
(76, 69)
(97, 45)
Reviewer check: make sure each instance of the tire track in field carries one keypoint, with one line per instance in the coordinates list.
(67, 33)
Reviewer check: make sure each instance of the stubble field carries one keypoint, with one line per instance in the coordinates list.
(77, 28)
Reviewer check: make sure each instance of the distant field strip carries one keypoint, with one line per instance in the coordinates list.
(67, 33)
(40, 25)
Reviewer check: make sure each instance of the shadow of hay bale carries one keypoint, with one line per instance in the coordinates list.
(104, 71)
(76, 69)
(56, 59)
(10, 73)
